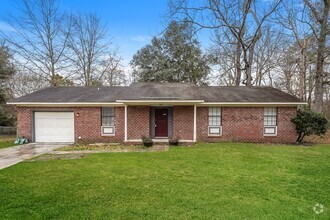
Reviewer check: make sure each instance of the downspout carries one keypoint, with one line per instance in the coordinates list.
(195, 123)
(125, 123)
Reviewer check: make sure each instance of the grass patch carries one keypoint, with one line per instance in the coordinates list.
(6, 141)
(110, 147)
(57, 157)
(208, 181)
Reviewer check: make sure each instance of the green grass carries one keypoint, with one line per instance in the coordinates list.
(109, 147)
(209, 181)
(6, 141)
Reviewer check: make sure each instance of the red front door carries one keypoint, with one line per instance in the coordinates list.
(161, 127)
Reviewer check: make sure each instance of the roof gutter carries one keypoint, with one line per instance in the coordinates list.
(253, 104)
(64, 104)
(160, 102)
(154, 102)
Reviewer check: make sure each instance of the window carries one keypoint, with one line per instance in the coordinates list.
(108, 121)
(270, 121)
(214, 121)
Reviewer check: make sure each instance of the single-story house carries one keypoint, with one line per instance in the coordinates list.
(160, 110)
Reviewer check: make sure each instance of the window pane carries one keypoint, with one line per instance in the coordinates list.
(270, 116)
(217, 121)
(107, 111)
(270, 111)
(270, 120)
(214, 120)
(214, 116)
(214, 111)
(108, 121)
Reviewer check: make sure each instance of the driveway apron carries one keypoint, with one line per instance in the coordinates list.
(13, 155)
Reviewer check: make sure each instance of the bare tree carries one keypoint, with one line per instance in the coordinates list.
(39, 38)
(25, 82)
(320, 13)
(267, 56)
(242, 19)
(292, 18)
(92, 55)
(223, 56)
(113, 73)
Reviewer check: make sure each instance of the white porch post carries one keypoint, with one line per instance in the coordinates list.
(195, 123)
(125, 123)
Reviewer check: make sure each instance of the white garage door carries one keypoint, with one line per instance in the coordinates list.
(54, 126)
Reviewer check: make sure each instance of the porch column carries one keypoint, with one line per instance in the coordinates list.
(125, 123)
(195, 123)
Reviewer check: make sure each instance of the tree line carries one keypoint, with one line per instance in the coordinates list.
(277, 43)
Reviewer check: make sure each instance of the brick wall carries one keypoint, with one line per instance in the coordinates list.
(87, 125)
(183, 122)
(246, 124)
(285, 128)
(238, 123)
(24, 122)
(138, 118)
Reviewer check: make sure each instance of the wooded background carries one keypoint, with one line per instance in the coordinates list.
(279, 43)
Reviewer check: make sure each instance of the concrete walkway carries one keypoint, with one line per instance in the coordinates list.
(13, 155)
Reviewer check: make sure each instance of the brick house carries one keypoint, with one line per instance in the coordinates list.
(159, 110)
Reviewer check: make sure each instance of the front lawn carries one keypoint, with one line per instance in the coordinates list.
(208, 181)
(105, 147)
(6, 141)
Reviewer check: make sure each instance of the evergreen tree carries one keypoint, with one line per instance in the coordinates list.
(175, 56)
(7, 69)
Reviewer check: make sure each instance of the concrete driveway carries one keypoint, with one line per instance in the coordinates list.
(13, 155)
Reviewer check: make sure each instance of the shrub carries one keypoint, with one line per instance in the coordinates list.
(174, 141)
(147, 141)
(309, 122)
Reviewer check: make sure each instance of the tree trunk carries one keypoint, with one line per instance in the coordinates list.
(238, 64)
(302, 73)
(318, 103)
(248, 69)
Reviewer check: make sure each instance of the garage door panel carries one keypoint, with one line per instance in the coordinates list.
(54, 126)
(59, 115)
(58, 123)
(55, 132)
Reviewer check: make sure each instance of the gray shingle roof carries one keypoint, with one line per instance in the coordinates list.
(158, 91)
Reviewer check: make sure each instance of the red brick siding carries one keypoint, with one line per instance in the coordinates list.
(138, 118)
(183, 122)
(285, 128)
(246, 124)
(238, 123)
(87, 125)
(24, 122)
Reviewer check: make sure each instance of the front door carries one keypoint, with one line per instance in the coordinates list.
(161, 122)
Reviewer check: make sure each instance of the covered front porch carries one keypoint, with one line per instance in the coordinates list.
(160, 120)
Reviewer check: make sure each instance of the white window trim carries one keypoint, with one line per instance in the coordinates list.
(108, 134)
(214, 126)
(214, 135)
(270, 134)
(108, 126)
(271, 126)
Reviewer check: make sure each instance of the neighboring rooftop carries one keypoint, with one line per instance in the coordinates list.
(157, 91)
